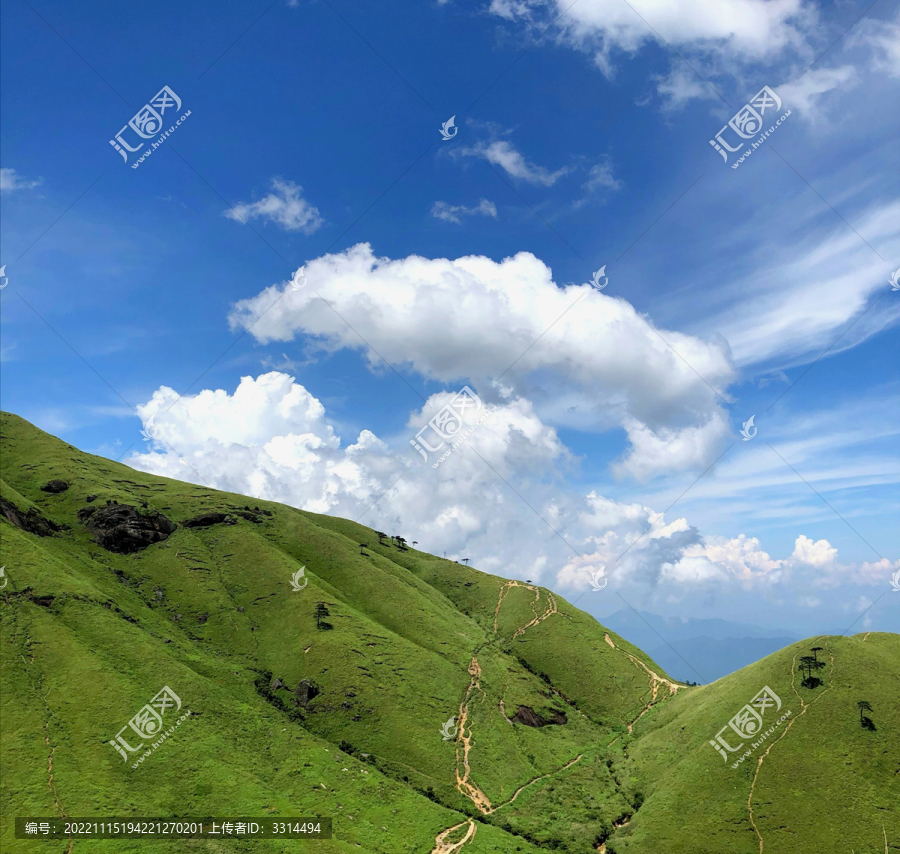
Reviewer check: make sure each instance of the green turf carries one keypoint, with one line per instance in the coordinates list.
(89, 636)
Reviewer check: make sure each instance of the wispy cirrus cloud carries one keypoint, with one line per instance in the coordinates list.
(883, 38)
(600, 177)
(455, 213)
(805, 94)
(504, 154)
(791, 305)
(11, 180)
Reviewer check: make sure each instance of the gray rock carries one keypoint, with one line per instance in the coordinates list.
(33, 521)
(122, 529)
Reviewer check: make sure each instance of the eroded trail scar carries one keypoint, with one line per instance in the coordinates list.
(804, 707)
(538, 618)
(464, 741)
(52, 785)
(504, 589)
(442, 846)
(655, 681)
(549, 611)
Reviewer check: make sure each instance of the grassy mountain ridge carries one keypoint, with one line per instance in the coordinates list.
(571, 738)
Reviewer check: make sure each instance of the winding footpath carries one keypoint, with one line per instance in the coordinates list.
(565, 767)
(442, 846)
(463, 781)
(463, 772)
(804, 707)
(538, 618)
(655, 682)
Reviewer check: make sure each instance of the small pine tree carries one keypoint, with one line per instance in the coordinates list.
(809, 664)
(864, 720)
(321, 612)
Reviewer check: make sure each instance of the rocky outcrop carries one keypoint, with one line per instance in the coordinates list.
(33, 521)
(305, 691)
(122, 529)
(529, 717)
(54, 487)
(86, 512)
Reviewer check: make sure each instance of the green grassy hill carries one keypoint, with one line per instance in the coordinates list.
(569, 738)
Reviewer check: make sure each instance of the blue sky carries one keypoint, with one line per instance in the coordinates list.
(583, 141)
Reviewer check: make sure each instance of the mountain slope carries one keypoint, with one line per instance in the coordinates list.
(569, 737)
(818, 776)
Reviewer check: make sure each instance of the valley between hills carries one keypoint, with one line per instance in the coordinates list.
(423, 705)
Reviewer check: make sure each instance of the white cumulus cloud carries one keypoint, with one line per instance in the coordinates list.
(610, 365)
(271, 439)
(740, 556)
(819, 554)
(284, 206)
(747, 29)
(496, 497)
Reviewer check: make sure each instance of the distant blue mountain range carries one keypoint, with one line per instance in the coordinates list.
(692, 650)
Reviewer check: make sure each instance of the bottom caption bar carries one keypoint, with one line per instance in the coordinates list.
(173, 828)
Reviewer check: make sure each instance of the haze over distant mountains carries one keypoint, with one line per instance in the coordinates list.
(696, 650)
